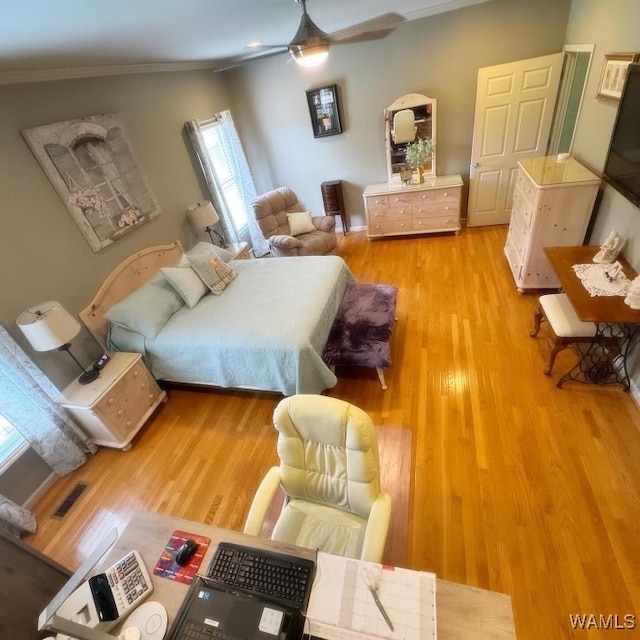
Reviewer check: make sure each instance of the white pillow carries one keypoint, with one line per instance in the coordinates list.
(300, 222)
(185, 281)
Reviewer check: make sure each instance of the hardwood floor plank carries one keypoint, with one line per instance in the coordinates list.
(508, 483)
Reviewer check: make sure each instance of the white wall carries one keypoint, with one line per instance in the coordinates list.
(612, 27)
(438, 56)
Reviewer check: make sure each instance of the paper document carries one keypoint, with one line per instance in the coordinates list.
(343, 608)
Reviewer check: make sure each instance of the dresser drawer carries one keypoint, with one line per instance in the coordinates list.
(377, 202)
(436, 223)
(389, 227)
(437, 209)
(109, 403)
(133, 406)
(137, 374)
(526, 187)
(448, 195)
(392, 213)
(522, 208)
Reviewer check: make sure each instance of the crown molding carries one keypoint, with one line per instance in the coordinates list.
(19, 76)
(442, 7)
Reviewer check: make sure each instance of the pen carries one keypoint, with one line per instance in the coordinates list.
(376, 599)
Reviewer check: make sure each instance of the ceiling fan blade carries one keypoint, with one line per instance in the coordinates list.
(264, 51)
(373, 29)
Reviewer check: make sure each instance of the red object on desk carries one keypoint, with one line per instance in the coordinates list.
(167, 567)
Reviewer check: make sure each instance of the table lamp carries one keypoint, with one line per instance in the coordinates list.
(50, 326)
(202, 215)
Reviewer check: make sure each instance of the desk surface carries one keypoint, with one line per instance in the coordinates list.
(463, 612)
(588, 308)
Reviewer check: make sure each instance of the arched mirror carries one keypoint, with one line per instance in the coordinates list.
(410, 117)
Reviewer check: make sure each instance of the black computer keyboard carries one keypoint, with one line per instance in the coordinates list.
(281, 578)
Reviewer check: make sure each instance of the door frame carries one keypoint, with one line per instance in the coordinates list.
(566, 80)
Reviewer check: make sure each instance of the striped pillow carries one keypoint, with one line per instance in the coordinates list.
(214, 273)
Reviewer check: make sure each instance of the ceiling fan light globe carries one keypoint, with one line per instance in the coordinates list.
(309, 56)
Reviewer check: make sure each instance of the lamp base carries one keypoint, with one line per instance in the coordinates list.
(213, 232)
(88, 376)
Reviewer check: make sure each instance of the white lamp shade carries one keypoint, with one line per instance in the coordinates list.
(48, 326)
(202, 215)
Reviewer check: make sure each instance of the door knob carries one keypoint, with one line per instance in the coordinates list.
(476, 164)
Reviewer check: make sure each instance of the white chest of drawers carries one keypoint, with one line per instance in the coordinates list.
(431, 207)
(115, 406)
(552, 204)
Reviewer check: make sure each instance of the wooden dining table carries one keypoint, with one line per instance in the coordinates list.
(612, 316)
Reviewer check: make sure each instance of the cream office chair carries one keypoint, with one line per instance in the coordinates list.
(329, 471)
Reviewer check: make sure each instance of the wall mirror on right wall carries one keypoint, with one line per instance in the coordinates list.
(410, 117)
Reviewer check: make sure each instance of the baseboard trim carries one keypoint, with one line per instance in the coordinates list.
(40, 491)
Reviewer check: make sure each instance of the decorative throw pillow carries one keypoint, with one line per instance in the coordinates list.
(206, 250)
(147, 309)
(214, 273)
(185, 281)
(300, 222)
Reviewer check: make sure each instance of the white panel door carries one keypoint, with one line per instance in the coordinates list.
(514, 112)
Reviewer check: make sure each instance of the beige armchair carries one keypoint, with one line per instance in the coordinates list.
(329, 472)
(271, 211)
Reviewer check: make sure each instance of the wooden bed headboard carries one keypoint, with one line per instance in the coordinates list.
(123, 280)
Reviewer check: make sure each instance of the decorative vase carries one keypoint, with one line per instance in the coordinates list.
(419, 176)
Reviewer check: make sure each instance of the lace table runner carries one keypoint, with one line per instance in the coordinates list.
(596, 281)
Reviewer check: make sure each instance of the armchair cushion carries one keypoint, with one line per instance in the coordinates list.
(318, 526)
(300, 222)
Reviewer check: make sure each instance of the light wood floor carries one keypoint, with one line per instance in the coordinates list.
(516, 486)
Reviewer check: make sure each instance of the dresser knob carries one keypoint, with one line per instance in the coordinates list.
(121, 412)
(151, 396)
(447, 208)
(143, 385)
(136, 374)
(445, 194)
(128, 423)
(111, 400)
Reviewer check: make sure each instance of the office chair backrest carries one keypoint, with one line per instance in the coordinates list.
(328, 452)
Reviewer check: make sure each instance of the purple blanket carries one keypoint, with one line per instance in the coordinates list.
(362, 329)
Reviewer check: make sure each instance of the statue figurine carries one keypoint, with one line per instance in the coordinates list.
(610, 249)
(633, 295)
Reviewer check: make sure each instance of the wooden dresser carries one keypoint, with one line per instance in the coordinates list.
(431, 207)
(552, 205)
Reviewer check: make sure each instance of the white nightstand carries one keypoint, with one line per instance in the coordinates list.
(240, 250)
(115, 406)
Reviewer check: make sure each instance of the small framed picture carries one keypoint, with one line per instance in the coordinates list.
(614, 73)
(324, 111)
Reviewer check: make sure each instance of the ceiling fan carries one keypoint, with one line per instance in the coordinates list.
(310, 44)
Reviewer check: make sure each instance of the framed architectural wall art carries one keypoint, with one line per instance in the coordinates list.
(324, 111)
(614, 73)
(91, 164)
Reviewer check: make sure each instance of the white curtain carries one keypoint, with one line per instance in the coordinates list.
(26, 401)
(234, 156)
(14, 519)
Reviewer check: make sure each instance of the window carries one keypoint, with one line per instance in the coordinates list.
(232, 174)
(12, 443)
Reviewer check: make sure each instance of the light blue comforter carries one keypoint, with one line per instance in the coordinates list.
(266, 331)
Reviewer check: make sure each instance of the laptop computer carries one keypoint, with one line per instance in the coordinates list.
(216, 609)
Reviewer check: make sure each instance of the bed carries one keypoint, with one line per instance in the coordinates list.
(265, 332)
